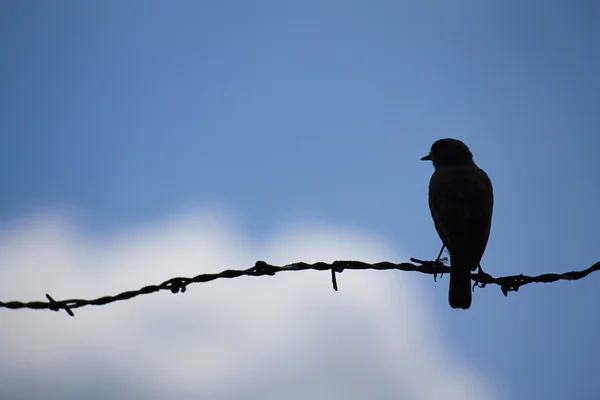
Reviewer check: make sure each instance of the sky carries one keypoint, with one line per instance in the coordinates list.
(145, 140)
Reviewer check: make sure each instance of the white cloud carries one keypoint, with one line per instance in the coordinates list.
(284, 337)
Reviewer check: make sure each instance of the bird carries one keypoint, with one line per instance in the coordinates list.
(461, 201)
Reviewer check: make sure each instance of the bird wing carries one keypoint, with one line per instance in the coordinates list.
(461, 203)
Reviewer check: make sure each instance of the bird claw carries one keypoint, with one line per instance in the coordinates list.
(480, 272)
(439, 261)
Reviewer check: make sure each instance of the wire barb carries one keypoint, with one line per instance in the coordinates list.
(261, 268)
(56, 306)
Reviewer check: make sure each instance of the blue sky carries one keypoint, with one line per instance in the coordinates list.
(125, 114)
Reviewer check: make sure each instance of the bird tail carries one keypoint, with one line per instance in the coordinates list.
(459, 295)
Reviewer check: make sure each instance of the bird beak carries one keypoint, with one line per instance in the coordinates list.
(427, 157)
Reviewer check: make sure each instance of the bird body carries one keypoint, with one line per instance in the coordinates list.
(461, 202)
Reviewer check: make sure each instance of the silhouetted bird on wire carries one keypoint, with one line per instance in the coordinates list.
(461, 200)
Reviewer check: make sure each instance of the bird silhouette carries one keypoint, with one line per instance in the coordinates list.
(461, 201)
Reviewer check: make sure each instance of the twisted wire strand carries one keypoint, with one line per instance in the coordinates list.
(507, 284)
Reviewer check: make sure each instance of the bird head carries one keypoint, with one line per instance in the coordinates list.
(449, 152)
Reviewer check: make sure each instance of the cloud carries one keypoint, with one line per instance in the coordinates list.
(288, 336)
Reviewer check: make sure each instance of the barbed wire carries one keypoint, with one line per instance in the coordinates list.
(507, 284)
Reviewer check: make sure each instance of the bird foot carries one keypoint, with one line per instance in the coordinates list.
(480, 272)
(441, 262)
